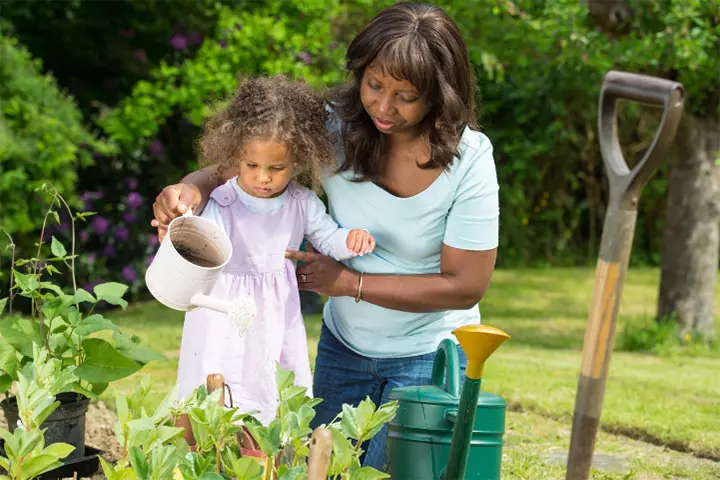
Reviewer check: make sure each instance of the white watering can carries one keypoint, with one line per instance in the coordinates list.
(192, 255)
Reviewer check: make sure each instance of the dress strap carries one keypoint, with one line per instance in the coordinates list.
(224, 195)
(298, 191)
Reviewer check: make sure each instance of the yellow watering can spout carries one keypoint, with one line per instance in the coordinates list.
(479, 342)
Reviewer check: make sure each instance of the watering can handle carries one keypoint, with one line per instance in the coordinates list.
(626, 183)
(446, 368)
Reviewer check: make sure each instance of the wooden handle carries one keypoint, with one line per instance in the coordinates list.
(216, 381)
(320, 451)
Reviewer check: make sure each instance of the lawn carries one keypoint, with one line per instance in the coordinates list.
(661, 412)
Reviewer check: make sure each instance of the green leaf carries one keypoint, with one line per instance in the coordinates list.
(104, 364)
(297, 473)
(138, 460)
(211, 476)
(112, 293)
(379, 418)
(27, 283)
(60, 450)
(243, 468)
(6, 382)
(21, 333)
(51, 269)
(94, 323)
(38, 465)
(3, 302)
(57, 248)
(367, 473)
(132, 349)
(83, 296)
(8, 358)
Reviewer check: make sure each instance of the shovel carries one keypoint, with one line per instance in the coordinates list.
(625, 187)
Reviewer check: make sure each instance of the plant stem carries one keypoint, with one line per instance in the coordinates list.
(269, 468)
(12, 269)
(72, 245)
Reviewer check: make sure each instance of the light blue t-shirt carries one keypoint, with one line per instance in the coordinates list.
(460, 209)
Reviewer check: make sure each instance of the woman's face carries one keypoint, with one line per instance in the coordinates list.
(395, 106)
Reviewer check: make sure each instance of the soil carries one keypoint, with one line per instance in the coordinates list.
(192, 255)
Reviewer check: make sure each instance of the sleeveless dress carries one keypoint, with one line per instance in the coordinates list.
(258, 267)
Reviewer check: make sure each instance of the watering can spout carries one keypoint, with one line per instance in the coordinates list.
(478, 342)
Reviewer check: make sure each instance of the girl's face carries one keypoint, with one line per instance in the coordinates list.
(395, 106)
(265, 169)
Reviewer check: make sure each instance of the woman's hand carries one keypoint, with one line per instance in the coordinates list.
(172, 202)
(324, 275)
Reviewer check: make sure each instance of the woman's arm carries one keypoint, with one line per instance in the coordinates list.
(462, 282)
(193, 192)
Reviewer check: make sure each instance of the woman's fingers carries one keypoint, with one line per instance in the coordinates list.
(307, 257)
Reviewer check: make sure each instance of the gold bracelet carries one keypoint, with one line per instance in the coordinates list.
(359, 292)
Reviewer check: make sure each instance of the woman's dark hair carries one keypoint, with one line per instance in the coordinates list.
(421, 44)
(275, 108)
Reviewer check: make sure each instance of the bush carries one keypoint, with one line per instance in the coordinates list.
(42, 139)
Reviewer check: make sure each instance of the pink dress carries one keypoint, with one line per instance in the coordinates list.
(258, 267)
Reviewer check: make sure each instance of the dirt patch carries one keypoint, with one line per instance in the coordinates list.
(100, 431)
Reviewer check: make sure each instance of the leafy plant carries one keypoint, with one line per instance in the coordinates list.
(27, 456)
(64, 323)
(153, 447)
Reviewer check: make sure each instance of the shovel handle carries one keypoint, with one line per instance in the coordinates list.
(626, 183)
(321, 446)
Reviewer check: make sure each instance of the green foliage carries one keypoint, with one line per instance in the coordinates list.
(64, 324)
(279, 37)
(664, 338)
(154, 448)
(42, 138)
(27, 456)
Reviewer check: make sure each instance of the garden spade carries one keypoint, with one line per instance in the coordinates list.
(625, 187)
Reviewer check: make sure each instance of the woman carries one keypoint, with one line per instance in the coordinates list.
(415, 173)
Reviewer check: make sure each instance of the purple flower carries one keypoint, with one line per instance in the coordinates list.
(100, 225)
(129, 274)
(91, 258)
(132, 183)
(109, 251)
(178, 42)
(152, 239)
(194, 39)
(223, 44)
(333, 45)
(305, 57)
(140, 55)
(129, 217)
(156, 148)
(134, 200)
(150, 259)
(122, 233)
(84, 236)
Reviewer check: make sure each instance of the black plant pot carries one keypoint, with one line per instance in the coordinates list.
(65, 425)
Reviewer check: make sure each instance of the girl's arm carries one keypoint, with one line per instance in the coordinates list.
(462, 282)
(323, 232)
(193, 192)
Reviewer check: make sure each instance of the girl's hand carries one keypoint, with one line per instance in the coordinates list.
(360, 242)
(172, 202)
(324, 275)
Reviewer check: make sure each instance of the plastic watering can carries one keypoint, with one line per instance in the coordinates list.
(440, 432)
(191, 257)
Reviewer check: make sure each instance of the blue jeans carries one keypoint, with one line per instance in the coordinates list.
(343, 376)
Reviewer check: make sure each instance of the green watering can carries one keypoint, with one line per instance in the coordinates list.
(439, 433)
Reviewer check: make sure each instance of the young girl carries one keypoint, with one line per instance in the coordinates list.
(272, 131)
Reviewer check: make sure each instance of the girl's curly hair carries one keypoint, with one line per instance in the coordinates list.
(276, 109)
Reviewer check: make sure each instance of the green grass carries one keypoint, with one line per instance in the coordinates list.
(671, 400)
